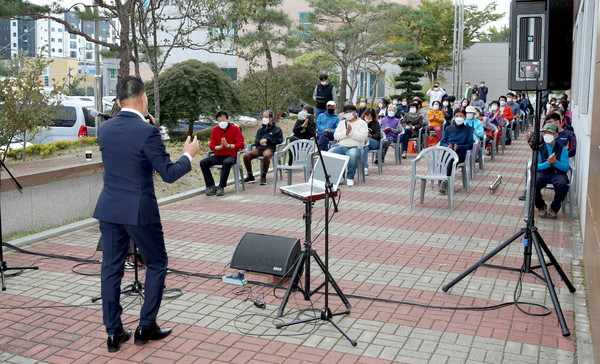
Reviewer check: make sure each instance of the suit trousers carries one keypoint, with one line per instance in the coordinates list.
(115, 244)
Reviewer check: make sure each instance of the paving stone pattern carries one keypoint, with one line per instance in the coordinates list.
(389, 259)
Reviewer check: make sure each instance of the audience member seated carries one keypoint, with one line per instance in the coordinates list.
(565, 137)
(382, 109)
(459, 138)
(389, 125)
(305, 126)
(412, 122)
(553, 165)
(374, 135)
(402, 108)
(472, 120)
(436, 119)
(476, 102)
(226, 140)
(326, 124)
(351, 134)
(508, 116)
(447, 110)
(362, 106)
(267, 138)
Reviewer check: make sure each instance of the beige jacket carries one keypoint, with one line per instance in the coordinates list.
(356, 137)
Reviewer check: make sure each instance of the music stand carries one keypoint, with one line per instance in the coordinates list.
(304, 260)
(3, 266)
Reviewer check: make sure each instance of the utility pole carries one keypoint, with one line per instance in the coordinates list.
(458, 48)
(98, 73)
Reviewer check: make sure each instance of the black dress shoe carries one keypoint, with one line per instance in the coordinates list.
(143, 335)
(114, 341)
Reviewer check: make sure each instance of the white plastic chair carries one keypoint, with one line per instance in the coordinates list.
(238, 169)
(437, 159)
(301, 153)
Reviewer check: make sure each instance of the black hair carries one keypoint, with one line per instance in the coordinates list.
(502, 97)
(349, 107)
(385, 101)
(495, 102)
(510, 94)
(451, 98)
(222, 113)
(438, 102)
(415, 104)
(270, 113)
(130, 87)
(460, 110)
(323, 76)
(370, 111)
(309, 109)
(553, 116)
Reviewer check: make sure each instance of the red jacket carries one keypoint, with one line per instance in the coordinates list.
(232, 134)
(507, 113)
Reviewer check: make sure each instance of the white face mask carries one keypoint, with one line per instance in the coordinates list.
(404, 103)
(391, 114)
(363, 104)
(395, 102)
(435, 88)
(302, 115)
(502, 102)
(468, 84)
(509, 99)
(223, 124)
(413, 110)
(368, 119)
(494, 107)
(474, 98)
(459, 121)
(445, 103)
(470, 116)
(265, 121)
(465, 103)
(483, 84)
(324, 83)
(548, 138)
(380, 105)
(436, 107)
(348, 116)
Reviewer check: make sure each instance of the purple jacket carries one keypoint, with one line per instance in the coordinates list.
(391, 122)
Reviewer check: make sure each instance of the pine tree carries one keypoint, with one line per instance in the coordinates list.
(407, 79)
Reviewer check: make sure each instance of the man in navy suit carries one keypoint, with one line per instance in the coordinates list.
(127, 209)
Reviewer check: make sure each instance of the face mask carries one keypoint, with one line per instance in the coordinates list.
(474, 98)
(509, 99)
(330, 111)
(363, 104)
(348, 116)
(380, 105)
(368, 120)
(223, 124)
(465, 103)
(324, 83)
(436, 107)
(265, 121)
(413, 110)
(468, 84)
(483, 84)
(553, 103)
(470, 116)
(435, 88)
(302, 115)
(494, 107)
(404, 103)
(548, 138)
(459, 121)
(445, 103)
(502, 102)
(395, 102)
(391, 114)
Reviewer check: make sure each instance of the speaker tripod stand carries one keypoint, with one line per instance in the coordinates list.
(532, 239)
(136, 287)
(3, 266)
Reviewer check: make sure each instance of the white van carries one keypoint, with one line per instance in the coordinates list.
(73, 121)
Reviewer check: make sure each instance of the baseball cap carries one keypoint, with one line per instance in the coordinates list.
(471, 109)
(551, 127)
(332, 103)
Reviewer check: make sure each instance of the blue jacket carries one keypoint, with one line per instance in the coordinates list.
(131, 150)
(458, 135)
(477, 126)
(562, 160)
(327, 121)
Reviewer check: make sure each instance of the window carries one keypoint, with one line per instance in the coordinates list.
(88, 55)
(14, 45)
(14, 34)
(53, 50)
(59, 50)
(53, 29)
(303, 18)
(14, 23)
(73, 44)
(73, 54)
(89, 119)
(46, 81)
(72, 36)
(60, 30)
(59, 40)
(112, 73)
(66, 116)
(52, 40)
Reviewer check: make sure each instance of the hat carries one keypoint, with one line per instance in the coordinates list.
(471, 109)
(331, 103)
(551, 127)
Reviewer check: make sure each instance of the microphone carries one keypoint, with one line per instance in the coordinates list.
(96, 113)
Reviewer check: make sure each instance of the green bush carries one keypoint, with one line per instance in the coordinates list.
(45, 150)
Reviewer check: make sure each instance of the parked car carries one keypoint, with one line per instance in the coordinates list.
(297, 106)
(72, 121)
(15, 143)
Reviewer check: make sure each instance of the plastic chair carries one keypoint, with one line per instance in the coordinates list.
(378, 155)
(238, 169)
(261, 158)
(301, 153)
(478, 156)
(437, 159)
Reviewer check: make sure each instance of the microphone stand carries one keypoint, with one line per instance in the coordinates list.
(325, 314)
(3, 266)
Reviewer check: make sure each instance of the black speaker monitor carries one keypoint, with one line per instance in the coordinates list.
(541, 44)
(264, 253)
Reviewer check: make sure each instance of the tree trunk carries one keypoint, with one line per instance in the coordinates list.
(156, 98)
(191, 128)
(124, 49)
(343, 84)
(136, 54)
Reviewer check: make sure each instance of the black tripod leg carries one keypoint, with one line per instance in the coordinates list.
(352, 341)
(561, 318)
(554, 262)
(303, 321)
(2, 276)
(293, 279)
(484, 259)
(332, 281)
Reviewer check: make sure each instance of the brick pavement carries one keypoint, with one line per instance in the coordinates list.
(379, 247)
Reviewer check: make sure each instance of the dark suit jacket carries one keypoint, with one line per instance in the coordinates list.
(131, 149)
